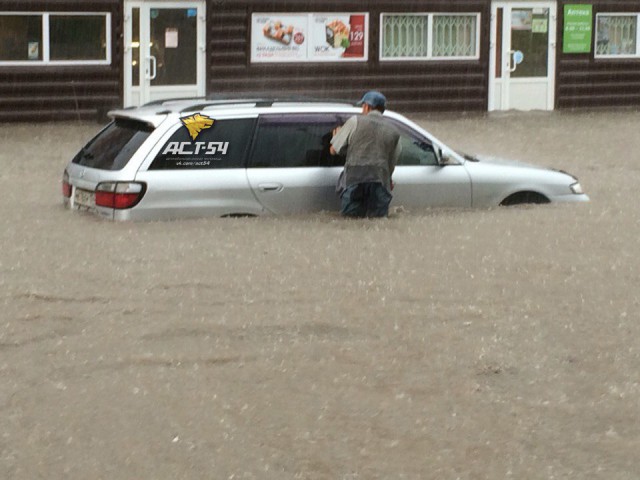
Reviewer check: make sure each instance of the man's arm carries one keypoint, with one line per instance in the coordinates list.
(332, 150)
(396, 156)
(342, 135)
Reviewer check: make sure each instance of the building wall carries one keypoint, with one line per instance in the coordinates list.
(414, 86)
(78, 92)
(584, 81)
(63, 92)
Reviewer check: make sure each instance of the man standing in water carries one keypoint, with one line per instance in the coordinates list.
(372, 147)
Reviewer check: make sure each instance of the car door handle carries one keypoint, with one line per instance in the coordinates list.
(270, 187)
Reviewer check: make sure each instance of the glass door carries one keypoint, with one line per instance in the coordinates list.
(164, 51)
(522, 66)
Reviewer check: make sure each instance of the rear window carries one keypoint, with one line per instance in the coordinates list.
(114, 146)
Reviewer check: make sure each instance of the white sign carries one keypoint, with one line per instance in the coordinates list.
(171, 38)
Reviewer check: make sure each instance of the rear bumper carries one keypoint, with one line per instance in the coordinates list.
(106, 213)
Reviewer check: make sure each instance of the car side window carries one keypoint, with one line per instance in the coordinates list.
(206, 143)
(416, 150)
(295, 140)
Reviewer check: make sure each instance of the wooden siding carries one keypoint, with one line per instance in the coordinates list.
(410, 85)
(47, 92)
(586, 82)
(83, 91)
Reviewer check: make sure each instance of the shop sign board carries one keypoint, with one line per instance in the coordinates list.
(578, 28)
(309, 37)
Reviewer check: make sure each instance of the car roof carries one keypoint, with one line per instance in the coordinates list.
(155, 113)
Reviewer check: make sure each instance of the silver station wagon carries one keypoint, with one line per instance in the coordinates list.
(195, 158)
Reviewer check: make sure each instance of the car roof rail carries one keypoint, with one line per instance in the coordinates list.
(258, 102)
(261, 101)
(168, 100)
(189, 104)
(278, 98)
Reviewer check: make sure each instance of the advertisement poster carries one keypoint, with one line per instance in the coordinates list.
(309, 37)
(279, 38)
(578, 28)
(338, 37)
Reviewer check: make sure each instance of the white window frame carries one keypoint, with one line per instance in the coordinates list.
(429, 56)
(617, 14)
(46, 53)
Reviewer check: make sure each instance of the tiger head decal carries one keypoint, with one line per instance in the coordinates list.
(196, 123)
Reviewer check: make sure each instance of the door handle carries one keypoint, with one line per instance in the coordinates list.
(270, 187)
(512, 66)
(153, 67)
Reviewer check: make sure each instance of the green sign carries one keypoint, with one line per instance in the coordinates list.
(578, 28)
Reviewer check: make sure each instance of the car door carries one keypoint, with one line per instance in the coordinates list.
(420, 181)
(198, 169)
(290, 168)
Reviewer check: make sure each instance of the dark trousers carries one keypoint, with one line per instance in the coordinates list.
(369, 199)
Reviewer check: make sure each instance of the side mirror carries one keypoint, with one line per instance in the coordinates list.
(445, 158)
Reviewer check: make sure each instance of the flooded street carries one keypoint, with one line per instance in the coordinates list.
(435, 344)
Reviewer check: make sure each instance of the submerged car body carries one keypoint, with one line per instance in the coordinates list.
(194, 158)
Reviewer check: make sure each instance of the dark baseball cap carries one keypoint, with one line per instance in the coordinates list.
(374, 99)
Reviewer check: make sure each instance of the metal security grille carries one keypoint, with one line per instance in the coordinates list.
(427, 36)
(617, 35)
(405, 36)
(454, 36)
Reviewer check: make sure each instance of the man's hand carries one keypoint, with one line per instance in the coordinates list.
(334, 132)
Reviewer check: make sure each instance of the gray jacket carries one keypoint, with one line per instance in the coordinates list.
(372, 148)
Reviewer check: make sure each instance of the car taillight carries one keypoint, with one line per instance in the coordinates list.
(66, 186)
(119, 195)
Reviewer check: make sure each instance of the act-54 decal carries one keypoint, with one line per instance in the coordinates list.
(197, 152)
(196, 148)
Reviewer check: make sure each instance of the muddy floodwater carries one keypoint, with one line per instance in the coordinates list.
(435, 344)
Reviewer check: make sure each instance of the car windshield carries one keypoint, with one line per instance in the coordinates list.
(114, 146)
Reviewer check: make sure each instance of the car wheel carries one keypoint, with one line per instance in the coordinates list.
(522, 198)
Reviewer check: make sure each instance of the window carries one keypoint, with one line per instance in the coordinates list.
(60, 38)
(77, 37)
(297, 140)
(405, 36)
(430, 36)
(20, 37)
(114, 146)
(222, 145)
(617, 35)
(416, 150)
